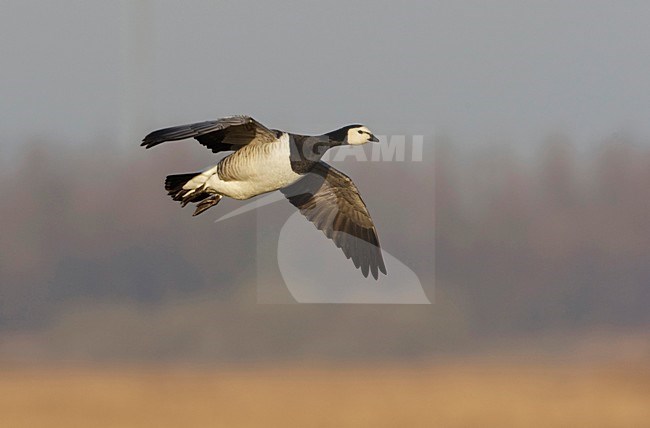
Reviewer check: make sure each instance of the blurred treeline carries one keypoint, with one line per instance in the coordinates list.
(559, 241)
(97, 262)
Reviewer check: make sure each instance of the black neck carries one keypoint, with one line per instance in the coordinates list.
(308, 150)
(328, 141)
(338, 136)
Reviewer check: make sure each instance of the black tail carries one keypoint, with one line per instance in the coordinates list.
(174, 186)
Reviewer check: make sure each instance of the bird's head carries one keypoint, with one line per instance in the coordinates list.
(353, 135)
(359, 134)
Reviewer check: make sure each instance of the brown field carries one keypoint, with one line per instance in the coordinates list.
(441, 394)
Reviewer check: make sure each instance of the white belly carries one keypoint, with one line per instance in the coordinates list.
(256, 170)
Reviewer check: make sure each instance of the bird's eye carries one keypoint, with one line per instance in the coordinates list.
(360, 131)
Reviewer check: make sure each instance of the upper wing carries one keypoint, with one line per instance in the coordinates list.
(217, 135)
(330, 200)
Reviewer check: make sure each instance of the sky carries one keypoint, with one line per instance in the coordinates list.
(77, 72)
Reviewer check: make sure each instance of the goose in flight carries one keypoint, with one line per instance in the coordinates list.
(265, 160)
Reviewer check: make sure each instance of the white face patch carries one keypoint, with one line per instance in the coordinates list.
(358, 135)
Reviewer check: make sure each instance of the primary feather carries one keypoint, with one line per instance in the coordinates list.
(265, 160)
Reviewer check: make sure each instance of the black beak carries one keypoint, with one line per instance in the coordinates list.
(373, 138)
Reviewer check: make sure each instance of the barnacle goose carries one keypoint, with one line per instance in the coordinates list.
(265, 160)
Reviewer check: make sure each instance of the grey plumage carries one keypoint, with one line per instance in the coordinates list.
(265, 160)
(217, 135)
(330, 200)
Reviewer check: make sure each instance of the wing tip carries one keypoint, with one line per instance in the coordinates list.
(378, 265)
(150, 140)
(374, 272)
(376, 269)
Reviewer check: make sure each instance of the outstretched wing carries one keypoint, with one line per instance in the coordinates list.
(330, 200)
(228, 133)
